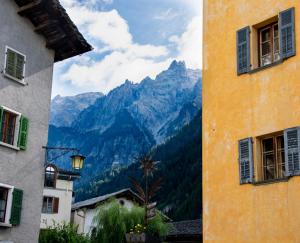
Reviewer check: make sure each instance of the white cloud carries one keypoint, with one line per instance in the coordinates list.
(108, 31)
(189, 44)
(124, 59)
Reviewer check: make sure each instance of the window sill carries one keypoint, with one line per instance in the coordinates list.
(259, 183)
(266, 66)
(9, 146)
(15, 79)
(5, 225)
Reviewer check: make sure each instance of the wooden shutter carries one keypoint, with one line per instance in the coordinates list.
(287, 33)
(1, 116)
(10, 63)
(55, 205)
(23, 133)
(246, 160)
(292, 151)
(243, 50)
(20, 63)
(16, 207)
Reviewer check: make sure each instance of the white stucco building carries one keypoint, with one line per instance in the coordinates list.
(34, 35)
(83, 212)
(57, 196)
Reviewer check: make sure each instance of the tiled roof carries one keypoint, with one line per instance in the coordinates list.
(96, 200)
(185, 228)
(51, 20)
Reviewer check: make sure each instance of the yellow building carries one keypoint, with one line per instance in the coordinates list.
(251, 114)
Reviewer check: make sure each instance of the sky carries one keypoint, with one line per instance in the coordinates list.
(132, 39)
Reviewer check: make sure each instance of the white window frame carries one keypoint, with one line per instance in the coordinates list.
(21, 81)
(8, 205)
(17, 128)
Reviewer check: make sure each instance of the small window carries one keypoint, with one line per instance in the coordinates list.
(269, 44)
(13, 129)
(50, 176)
(3, 203)
(10, 205)
(50, 205)
(14, 64)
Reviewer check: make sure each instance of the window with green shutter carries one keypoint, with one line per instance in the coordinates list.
(1, 116)
(16, 207)
(23, 133)
(14, 64)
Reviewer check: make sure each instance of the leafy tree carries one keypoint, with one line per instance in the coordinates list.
(113, 221)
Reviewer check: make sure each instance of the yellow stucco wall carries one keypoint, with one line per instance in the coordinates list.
(236, 107)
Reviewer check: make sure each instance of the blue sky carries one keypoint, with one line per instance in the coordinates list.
(132, 39)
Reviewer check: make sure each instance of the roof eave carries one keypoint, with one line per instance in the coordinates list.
(51, 20)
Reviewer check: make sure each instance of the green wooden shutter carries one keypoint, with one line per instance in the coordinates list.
(20, 61)
(10, 67)
(246, 160)
(287, 33)
(243, 50)
(292, 151)
(23, 133)
(1, 116)
(16, 207)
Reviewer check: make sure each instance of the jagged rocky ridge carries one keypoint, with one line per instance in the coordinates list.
(131, 119)
(64, 110)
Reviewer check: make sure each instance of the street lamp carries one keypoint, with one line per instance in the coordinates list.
(77, 159)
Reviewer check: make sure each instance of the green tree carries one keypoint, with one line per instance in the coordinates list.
(113, 221)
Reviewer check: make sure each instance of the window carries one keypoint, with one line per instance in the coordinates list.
(50, 205)
(13, 129)
(50, 176)
(14, 64)
(276, 156)
(266, 42)
(273, 160)
(3, 203)
(269, 44)
(10, 205)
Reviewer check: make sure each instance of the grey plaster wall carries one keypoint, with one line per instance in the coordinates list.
(24, 169)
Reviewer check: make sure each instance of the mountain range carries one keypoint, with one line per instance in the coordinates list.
(114, 129)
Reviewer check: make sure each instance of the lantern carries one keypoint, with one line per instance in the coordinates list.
(77, 161)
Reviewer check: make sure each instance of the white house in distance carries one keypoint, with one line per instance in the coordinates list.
(34, 35)
(83, 212)
(57, 196)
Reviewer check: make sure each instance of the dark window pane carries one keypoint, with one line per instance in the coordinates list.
(269, 159)
(3, 202)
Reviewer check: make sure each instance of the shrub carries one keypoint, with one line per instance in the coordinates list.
(62, 233)
(113, 221)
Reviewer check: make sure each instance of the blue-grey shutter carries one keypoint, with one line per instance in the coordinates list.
(292, 151)
(287, 33)
(243, 50)
(246, 160)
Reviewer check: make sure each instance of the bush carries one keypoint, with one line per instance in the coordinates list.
(62, 233)
(113, 221)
